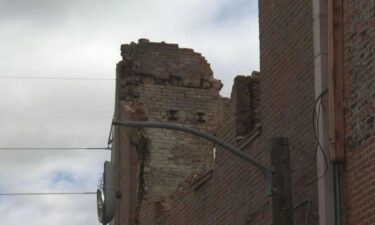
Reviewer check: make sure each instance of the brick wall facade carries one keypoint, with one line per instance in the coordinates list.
(287, 97)
(276, 102)
(359, 50)
(161, 82)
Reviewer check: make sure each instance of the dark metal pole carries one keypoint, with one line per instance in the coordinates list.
(282, 205)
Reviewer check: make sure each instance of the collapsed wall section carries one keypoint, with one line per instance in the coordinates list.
(234, 192)
(246, 99)
(162, 82)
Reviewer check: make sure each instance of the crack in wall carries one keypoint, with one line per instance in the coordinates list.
(142, 151)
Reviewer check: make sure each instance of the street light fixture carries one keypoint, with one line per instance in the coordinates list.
(267, 172)
(277, 176)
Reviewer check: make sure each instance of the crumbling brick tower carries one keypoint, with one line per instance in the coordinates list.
(165, 83)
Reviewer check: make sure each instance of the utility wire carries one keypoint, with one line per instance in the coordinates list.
(47, 193)
(316, 118)
(54, 78)
(54, 149)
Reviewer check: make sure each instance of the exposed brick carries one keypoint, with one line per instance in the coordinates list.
(161, 82)
(359, 86)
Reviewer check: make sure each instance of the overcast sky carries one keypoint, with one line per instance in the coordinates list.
(82, 38)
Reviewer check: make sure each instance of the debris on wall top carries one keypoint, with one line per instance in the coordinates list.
(167, 63)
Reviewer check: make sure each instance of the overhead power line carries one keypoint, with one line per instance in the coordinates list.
(47, 193)
(55, 78)
(54, 149)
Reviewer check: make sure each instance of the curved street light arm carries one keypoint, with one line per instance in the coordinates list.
(266, 171)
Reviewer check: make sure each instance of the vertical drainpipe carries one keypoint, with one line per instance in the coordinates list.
(325, 184)
(336, 79)
(336, 99)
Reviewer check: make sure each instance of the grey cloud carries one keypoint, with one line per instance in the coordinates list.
(34, 12)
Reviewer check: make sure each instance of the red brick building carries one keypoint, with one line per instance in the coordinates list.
(317, 70)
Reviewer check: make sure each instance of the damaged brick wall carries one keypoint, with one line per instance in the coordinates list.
(165, 83)
(247, 97)
(235, 192)
(359, 64)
